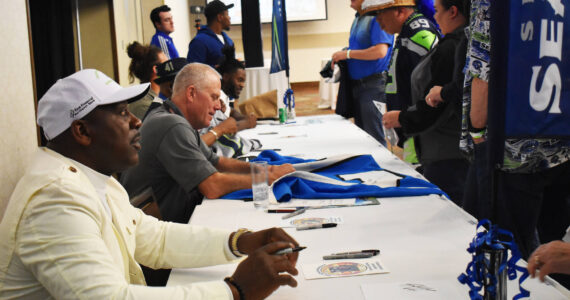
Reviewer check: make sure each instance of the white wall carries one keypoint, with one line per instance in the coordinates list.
(128, 28)
(17, 117)
(180, 10)
(309, 42)
(132, 23)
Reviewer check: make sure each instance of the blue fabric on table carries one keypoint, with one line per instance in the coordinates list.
(274, 158)
(297, 187)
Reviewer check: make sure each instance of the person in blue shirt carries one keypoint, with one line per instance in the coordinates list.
(367, 56)
(206, 47)
(162, 20)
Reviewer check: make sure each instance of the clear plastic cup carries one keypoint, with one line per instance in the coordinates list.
(259, 185)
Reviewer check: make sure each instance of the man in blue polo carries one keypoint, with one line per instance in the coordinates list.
(206, 47)
(162, 20)
(367, 56)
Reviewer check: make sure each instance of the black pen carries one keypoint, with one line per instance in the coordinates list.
(348, 256)
(316, 226)
(289, 250)
(373, 251)
(260, 150)
(281, 210)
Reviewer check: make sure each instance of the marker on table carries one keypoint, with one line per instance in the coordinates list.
(281, 210)
(289, 250)
(316, 226)
(349, 256)
(294, 213)
(373, 251)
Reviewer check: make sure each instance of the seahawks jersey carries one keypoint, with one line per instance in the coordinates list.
(417, 38)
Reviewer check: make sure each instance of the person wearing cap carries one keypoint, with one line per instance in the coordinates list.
(165, 74)
(367, 57)
(175, 162)
(70, 232)
(206, 46)
(161, 19)
(417, 35)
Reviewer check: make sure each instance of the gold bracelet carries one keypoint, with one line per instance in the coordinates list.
(214, 133)
(233, 242)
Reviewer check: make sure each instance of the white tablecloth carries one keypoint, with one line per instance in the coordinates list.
(258, 81)
(327, 91)
(422, 239)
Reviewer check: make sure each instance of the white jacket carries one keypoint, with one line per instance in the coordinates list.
(58, 242)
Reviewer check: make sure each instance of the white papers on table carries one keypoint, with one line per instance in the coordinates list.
(344, 268)
(294, 202)
(303, 220)
(382, 178)
(436, 290)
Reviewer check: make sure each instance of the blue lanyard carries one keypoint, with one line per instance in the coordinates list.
(476, 271)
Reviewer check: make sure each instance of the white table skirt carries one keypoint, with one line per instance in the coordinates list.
(327, 91)
(422, 239)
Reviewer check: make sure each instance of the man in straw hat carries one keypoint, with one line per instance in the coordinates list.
(417, 36)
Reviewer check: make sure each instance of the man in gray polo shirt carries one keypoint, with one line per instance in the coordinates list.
(175, 162)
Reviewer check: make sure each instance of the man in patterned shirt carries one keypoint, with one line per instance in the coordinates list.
(532, 181)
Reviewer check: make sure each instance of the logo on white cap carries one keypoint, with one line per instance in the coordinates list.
(76, 111)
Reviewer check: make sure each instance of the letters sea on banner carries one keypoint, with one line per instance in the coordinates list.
(551, 41)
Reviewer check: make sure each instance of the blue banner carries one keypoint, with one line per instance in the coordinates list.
(538, 80)
(279, 41)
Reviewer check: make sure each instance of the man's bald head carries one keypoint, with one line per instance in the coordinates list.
(196, 93)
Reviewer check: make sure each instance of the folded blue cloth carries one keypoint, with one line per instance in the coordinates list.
(327, 182)
(274, 158)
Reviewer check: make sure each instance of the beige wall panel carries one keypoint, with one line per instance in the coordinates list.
(180, 10)
(18, 140)
(128, 28)
(147, 28)
(96, 37)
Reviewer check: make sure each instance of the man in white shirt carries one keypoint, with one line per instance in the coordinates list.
(70, 232)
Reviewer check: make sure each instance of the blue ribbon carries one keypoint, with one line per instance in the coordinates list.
(289, 99)
(476, 272)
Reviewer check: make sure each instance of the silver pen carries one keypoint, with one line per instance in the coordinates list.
(289, 250)
(348, 256)
(295, 213)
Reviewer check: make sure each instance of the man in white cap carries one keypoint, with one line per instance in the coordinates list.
(69, 231)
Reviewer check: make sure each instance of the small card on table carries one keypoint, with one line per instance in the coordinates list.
(344, 268)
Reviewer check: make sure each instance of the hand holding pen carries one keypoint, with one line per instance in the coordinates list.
(262, 272)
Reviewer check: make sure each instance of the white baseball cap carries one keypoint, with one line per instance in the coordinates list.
(73, 97)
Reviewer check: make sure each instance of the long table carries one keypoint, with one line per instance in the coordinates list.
(423, 240)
